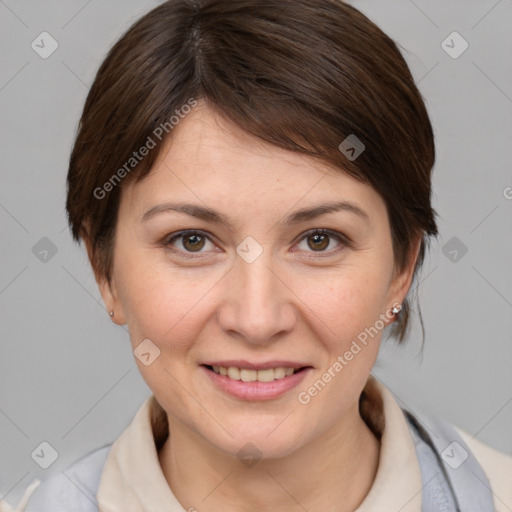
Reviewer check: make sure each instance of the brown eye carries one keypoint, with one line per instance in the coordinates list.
(318, 242)
(193, 242)
(189, 242)
(323, 241)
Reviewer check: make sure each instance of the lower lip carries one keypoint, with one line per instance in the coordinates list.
(255, 390)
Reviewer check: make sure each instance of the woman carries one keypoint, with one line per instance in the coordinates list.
(252, 181)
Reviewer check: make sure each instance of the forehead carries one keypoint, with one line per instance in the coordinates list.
(206, 137)
(211, 160)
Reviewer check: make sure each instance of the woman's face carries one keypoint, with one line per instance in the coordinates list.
(255, 287)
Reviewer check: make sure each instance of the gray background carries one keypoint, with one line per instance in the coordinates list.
(67, 375)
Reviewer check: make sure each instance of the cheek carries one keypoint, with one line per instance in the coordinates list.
(350, 309)
(163, 304)
(169, 308)
(346, 302)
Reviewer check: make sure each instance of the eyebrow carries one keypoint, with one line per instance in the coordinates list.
(209, 215)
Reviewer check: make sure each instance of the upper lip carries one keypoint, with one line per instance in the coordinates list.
(242, 363)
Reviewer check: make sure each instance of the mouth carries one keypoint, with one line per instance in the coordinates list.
(248, 381)
(252, 374)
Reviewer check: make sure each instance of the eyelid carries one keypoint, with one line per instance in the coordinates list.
(325, 231)
(167, 241)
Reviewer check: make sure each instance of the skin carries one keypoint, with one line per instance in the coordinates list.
(294, 302)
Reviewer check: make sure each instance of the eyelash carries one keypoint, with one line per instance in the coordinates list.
(344, 241)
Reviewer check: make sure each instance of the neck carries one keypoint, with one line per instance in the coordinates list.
(335, 472)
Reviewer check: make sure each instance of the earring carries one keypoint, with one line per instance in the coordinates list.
(396, 309)
(111, 313)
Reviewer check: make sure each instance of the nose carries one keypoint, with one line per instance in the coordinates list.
(258, 304)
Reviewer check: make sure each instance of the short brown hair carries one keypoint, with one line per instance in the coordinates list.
(300, 74)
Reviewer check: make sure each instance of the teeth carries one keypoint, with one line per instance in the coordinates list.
(266, 375)
(233, 373)
(279, 373)
(247, 375)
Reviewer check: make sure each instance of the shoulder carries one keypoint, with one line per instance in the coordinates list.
(73, 488)
(478, 474)
(497, 466)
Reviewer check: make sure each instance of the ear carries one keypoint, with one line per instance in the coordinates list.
(401, 281)
(107, 288)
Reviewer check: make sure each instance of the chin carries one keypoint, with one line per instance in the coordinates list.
(257, 440)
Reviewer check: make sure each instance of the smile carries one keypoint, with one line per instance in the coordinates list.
(249, 375)
(255, 383)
